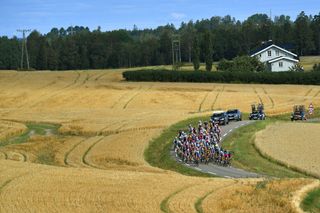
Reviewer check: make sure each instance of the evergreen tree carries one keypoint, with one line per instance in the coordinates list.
(196, 54)
(208, 50)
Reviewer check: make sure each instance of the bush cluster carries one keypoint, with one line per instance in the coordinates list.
(308, 78)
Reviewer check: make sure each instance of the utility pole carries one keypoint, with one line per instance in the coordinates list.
(24, 47)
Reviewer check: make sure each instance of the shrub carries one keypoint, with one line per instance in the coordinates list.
(242, 64)
(316, 68)
(309, 78)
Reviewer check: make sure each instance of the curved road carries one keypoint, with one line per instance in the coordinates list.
(227, 172)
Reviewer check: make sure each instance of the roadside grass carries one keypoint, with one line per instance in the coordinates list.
(311, 203)
(308, 61)
(241, 142)
(158, 152)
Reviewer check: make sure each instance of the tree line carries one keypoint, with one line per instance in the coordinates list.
(204, 40)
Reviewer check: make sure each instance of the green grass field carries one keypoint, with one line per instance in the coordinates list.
(308, 61)
(311, 203)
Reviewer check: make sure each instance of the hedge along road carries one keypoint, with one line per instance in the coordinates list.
(227, 172)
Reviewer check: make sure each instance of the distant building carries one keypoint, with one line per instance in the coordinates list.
(276, 58)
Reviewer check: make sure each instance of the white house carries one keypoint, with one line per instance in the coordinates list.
(276, 58)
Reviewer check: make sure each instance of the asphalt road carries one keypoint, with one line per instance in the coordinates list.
(227, 172)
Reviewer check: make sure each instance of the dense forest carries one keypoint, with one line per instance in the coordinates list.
(216, 38)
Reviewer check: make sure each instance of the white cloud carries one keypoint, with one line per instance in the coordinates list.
(178, 16)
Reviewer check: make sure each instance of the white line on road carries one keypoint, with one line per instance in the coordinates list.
(198, 169)
(230, 130)
(225, 135)
(227, 177)
(187, 164)
(212, 173)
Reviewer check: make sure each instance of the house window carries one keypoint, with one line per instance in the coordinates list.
(280, 64)
(269, 53)
(277, 53)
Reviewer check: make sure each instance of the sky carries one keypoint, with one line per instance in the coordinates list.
(43, 15)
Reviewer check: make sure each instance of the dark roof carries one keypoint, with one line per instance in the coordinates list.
(261, 47)
(286, 46)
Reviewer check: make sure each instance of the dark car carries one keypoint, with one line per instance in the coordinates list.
(234, 114)
(257, 112)
(298, 113)
(220, 117)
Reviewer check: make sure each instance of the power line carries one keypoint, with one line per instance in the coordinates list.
(24, 47)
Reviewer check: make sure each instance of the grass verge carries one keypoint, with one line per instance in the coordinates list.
(241, 142)
(311, 203)
(158, 152)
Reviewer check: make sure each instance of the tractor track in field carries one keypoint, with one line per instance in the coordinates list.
(198, 204)
(217, 96)
(120, 99)
(267, 94)
(164, 205)
(308, 92)
(6, 183)
(100, 76)
(316, 95)
(256, 92)
(58, 91)
(84, 161)
(135, 95)
(204, 99)
(66, 156)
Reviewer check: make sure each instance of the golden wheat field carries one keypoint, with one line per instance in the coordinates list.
(97, 162)
(296, 145)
